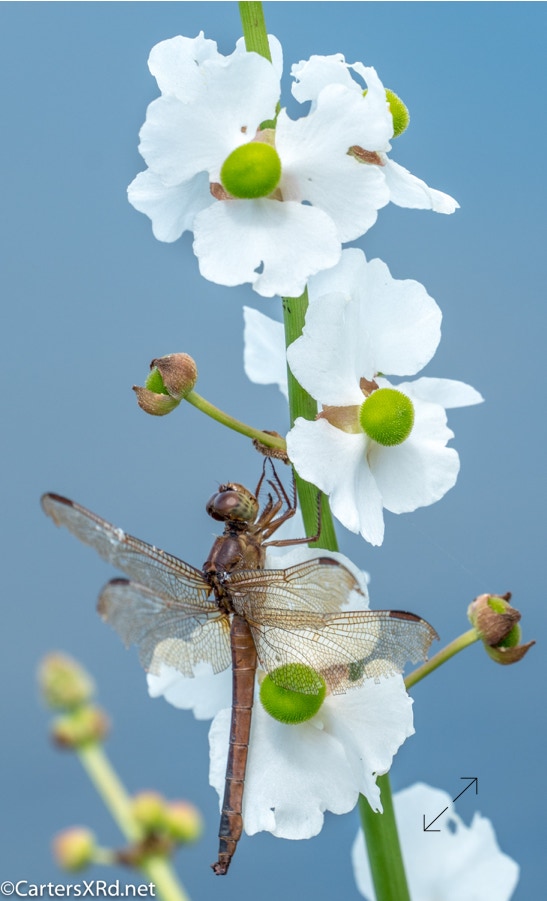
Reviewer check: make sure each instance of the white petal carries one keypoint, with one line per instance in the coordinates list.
(408, 191)
(264, 350)
(449, 393)
(276, 52)
(422, 469)
(171, 209)
(467, 863)
(179, 140)
(318, 169)
(288, 242)
(314, 74)
(319, 765)
(294, 774)
(371, 723)
(333, 352)
(381, 324)
(205, 694)
(173, 65)
(403, 321)
(336, 462)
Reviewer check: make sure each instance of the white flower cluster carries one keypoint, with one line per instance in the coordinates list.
(365, 334)
(212, 104)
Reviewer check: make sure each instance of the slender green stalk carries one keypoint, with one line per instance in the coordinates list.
(110, 788)
(384, 850)
(225, 419)
(254, 29)
(459, 643)
(301, 404)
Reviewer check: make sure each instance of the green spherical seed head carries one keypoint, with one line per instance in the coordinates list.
(296, 704)
(251, 171)
(399, 112)
(387, 416)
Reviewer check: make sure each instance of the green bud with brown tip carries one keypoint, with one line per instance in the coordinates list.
(171, 379)
(497, 623)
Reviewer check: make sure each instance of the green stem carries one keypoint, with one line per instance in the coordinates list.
(232, 423)
(254, 29)
(108, 785)
(110, 788)
(459, 643)
(301, 404)
(384, 851)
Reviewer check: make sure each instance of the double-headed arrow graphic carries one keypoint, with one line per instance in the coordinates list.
(473, 779)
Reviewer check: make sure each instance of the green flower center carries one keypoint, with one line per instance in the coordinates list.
(399, 112)
(387, 416)
(252, 170)
(293, 693)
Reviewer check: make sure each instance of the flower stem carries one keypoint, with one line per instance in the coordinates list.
(301, 404)
(254, 29)
(384, 850)
(110, 788)
(459, 643)
(225, 419)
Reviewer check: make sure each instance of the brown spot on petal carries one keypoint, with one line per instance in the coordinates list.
(366, 156)
(368, 387)
(219, 192)
(344, 418)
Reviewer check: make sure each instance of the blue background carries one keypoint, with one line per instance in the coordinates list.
(89, 297)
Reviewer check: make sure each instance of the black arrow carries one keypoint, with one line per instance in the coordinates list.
(474, 779)
(427, 829)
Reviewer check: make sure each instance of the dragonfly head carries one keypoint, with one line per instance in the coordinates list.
(233, 503)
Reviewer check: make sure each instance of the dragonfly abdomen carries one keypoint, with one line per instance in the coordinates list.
(243, 676)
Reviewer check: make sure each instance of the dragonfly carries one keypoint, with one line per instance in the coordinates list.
(235, 612)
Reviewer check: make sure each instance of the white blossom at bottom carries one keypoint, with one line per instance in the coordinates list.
(459, 863)
(297, 772)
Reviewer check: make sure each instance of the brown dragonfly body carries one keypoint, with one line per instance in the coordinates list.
(235, 611)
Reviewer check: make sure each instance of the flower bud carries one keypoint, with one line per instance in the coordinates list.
(171, 379)
(64, 683)
(184, 823)
(297, 703)
(497, 624)
(82, 726)
(251, 171)
(387, 416)
(150, 811)
(74, 848)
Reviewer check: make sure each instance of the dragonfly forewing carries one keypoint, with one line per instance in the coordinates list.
(162, 573)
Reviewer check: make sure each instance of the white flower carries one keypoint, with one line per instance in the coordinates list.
(459, 863)
(313, 76)
(362, 322)
(211, 105)
(322, 764)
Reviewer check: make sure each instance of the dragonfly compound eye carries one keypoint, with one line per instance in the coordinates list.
(233, 502)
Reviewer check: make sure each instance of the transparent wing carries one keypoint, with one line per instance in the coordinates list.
(344, 647)
(321, 585)
(163, 574)
(179, 634)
